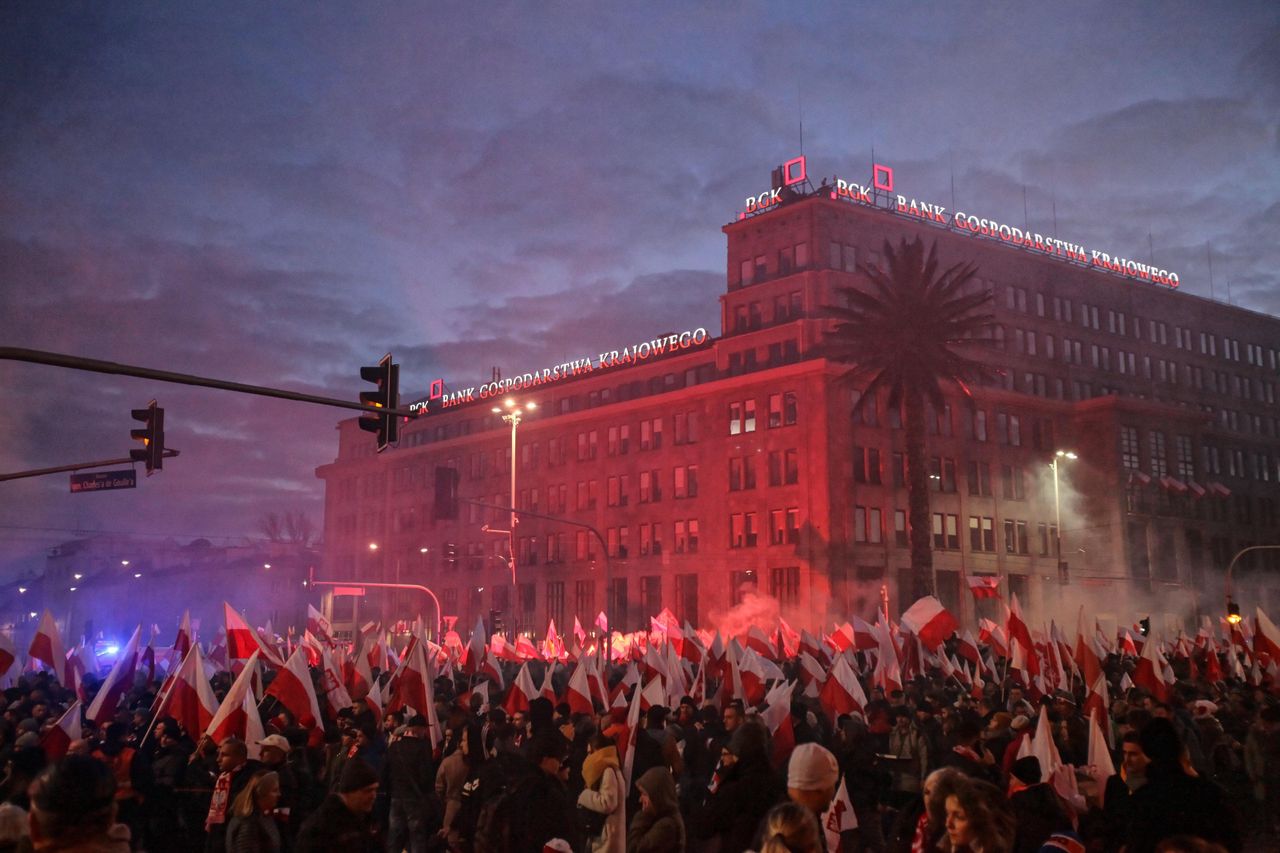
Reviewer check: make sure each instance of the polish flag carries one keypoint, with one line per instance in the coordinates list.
(319, 625)
(578, 632)
(579, 693)
(492, 669)
(522, 692)
(182, 643)
(839, 817)
(46, 646)
(1020, 634)
(627, 739)
(984, 586)
(1099, 699)
(1087, 658)
(1266, 638)
(548, 690)
(752, 675)
(1212, 668)
(475, 652)
(887, 675)
(525, 649)
(360, 677)
(759, 643)
(1099, 762)
(117, 683)
(691, 649)
(8, 654)
(602, 622)
(811, 672)
(331, 681)
(777, 717)
(653, 694)
(190, 699)
(57, 740)
(968, 648)
(842, 693)
(929, 621)
(373, 699)
(238, 714)
(243, 641)
(813, 646)
(994, 636)
(293, 688)
(1149, 673)
(414, 689)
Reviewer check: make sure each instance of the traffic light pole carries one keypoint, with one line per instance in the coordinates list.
(62, 469)
(94, 365)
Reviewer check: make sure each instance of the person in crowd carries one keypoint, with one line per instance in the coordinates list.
(658, 827)
(909, 757)
(274, 755)
(977, 820)
(967, 753)
(791, 828)
(921, 825)
(1174, 802)
(408, 780)
(812, 776)
(342, 822)
(536, 807)
(456, 770)
(74, 807)
(234, 772)
(602, 799)
(1262, 764)
(1038, 811)
(253, 827)
(747, 787)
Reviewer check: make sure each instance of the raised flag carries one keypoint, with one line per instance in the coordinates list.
(777, 718)
(1149, 673)
(319, 625)
(1100, 765)
(984, 586)
(839, 817)
(243, 641)
(118, 682)
(627, 738)
(46, 646)
(8, 654)
(1266, 638)
(967, 648)
(929, 621)
(189, 698)
(1020, 634)
(414, 689)
(58, 739)
(239, 709)
(842, 692)
(602, 622)
(578, 694)
(182, 643)
(522, 692)
(293, 688)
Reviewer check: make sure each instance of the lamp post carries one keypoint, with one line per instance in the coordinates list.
(512, 413)
(1057, 510)
(1233, 609)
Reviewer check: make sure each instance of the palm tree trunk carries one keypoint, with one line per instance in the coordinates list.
(917, 499)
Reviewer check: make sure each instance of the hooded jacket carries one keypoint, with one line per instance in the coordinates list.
(658, 829)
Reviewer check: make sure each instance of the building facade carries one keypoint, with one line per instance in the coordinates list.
(711, 472)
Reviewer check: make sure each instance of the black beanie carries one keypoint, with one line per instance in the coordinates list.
(356, 774)
(1027, 770)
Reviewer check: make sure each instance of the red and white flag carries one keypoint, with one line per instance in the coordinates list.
(293, 688)
(46, 646)
(968, 648)
(182, 643)
(189, 698)
(839, 817)
(1020, 634)
(984, 586)
(842, 692)
(579, 693)
(578, 632)
(8, 654)
(602, 622)
(929, 621)
(522, 691)
(117, 683)
(1266, 638)
(319, 625)
(1149, 673)
(57, 740)
(414, 688)
(238, 714)
(777, 717)
(243, 641)
(627, 739)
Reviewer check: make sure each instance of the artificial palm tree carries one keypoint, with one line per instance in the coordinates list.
(910, 333)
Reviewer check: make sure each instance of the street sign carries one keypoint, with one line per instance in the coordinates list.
(349, 590)
(102, 481)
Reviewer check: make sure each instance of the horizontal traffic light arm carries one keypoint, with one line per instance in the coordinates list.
(94, 365)
(169, 453)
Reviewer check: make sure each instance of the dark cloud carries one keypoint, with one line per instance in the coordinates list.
(277, 197)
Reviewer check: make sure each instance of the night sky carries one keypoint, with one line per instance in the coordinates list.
(279, 193)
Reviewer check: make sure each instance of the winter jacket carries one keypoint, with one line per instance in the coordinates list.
(1173, 803)
(659, 828)
(335, 827)
(255, 833)
(607, 799)
(450, 779)
(747, 792)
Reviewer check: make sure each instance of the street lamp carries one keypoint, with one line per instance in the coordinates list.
(1233, 609)
(1057, 509)
(512, 413)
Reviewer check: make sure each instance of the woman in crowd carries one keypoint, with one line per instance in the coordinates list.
(458, 767)
(658, 828)
(253, 827)
(791, 828)
(977, 819)
(603, 799)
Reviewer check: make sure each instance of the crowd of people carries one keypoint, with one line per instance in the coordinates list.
(933, 766)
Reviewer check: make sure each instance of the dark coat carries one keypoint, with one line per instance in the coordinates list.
(745, 795)
(256, 833)
(1038, 813)
(660, 830)
(335, 827)
(1173, 803)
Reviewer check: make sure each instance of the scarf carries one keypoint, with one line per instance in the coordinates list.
(218, 805)
(597, 762)
(921, 838)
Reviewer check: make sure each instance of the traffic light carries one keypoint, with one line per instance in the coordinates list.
(496, 624)
(1145, 626)
(151, 436)
(446, 503)
(386, 376)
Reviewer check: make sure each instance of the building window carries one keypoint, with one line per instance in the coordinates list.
(1015, 536)
(686, 427)
(687, 598)
(742, 584)
(1014, 481)
(777, 527)
(555, 601)
(982, 534)
(742, 417)
(1155, 444)
(686, 481)
(743, 532)
(867, 525)
(619, 440)
(650, 489)
(979, 478)
(742, 473)
(651, 434)
(784, 585)
(900, 528)
(866, 465)
(946, 531)
(1129, 457)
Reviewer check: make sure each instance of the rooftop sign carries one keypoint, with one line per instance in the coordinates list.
(882, 196)
(439, 399)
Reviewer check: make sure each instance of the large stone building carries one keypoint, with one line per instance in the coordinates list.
(737, 465)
